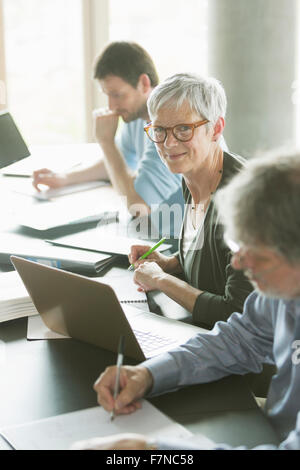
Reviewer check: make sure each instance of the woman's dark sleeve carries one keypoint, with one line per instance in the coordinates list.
(210, 308)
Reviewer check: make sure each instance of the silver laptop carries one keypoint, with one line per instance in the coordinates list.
(89, 311)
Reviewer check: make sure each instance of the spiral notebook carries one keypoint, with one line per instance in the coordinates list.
(126, 290)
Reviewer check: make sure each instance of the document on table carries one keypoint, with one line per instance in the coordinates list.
(45, 194)
(60, 432)
(82, 207)
(60, 158)
(95, 240)
(14, 299)
(36, 329)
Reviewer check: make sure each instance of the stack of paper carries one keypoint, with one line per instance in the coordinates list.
(14, 299)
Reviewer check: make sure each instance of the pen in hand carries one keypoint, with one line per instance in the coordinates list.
(119, 365)
(131, 267)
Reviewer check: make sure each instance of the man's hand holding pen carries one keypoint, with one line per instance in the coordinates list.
(134, 383)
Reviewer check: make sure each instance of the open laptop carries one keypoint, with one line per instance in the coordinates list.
(12, 147)
(89, 311)
(16, 159)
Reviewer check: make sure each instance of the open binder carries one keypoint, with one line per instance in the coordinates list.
(69, 259)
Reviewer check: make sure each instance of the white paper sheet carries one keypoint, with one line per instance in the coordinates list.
(60, 432)
(126, 290)
(78, 206)
(36, 329)
(14, 299)
(25, 187)
(94, 239)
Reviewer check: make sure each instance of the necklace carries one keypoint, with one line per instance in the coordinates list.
(215, 183)
(198, 210)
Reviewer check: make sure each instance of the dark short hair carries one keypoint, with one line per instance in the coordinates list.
(126, 60)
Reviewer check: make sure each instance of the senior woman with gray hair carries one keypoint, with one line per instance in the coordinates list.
(187, 113)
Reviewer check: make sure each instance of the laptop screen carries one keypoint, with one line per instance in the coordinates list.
(12, 145)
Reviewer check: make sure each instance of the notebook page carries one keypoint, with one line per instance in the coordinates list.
(126, 290)
(60, 432)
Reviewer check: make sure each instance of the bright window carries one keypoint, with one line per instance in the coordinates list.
(174, 32)
(47, 86)
(44, 69)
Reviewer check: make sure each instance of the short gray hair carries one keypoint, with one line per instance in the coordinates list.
(261, 204)
(205, 95)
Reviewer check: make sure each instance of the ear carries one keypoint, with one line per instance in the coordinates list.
(144, 83)
(218, 128)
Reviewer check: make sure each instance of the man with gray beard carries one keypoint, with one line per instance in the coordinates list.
(260, 209)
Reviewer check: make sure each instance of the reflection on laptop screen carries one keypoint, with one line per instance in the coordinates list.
(12, 145)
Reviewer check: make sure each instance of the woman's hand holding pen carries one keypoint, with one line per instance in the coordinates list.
(166, 263)
(137, 251)
(149, 271)
(135, 382)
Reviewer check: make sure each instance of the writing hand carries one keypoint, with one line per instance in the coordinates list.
(135, 381)
(136, 251)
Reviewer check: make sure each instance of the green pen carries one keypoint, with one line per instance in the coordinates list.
(131, 267)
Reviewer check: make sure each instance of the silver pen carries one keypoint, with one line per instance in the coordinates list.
(119, 365)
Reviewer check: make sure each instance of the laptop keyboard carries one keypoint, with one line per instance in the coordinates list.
(150, 341)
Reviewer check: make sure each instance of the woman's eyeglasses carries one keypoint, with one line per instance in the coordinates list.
(181, 132)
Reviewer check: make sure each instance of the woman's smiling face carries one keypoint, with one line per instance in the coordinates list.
(182, 157)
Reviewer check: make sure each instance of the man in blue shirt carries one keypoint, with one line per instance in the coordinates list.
(260, 211)
(127, 75)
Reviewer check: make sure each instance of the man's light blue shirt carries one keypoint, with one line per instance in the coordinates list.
(267, 332)
(154, 182)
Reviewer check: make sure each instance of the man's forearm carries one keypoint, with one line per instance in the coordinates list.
(94, 172)
(122, 178)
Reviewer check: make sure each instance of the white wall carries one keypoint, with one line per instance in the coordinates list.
(252, 50)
